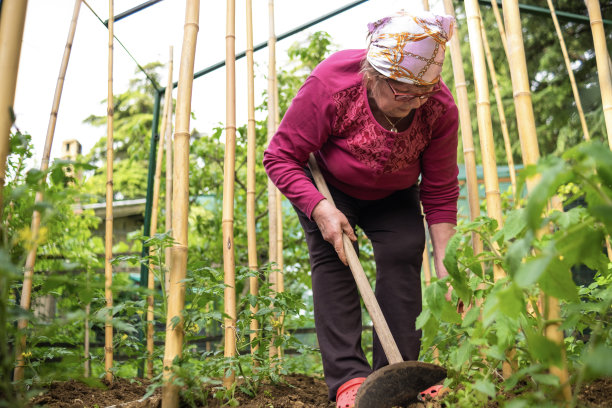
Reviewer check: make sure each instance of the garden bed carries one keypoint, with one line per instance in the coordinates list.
(299, 391)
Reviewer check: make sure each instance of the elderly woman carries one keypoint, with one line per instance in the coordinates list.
(376, 120)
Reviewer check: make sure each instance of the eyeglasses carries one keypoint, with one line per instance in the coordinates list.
(407, 96)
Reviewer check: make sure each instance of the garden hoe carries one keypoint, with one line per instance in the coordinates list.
(399, 383)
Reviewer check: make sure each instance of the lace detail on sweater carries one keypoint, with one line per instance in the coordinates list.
(383, 151)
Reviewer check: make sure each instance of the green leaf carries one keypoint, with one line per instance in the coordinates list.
(542, 349)
(511, 301)
(546, 379)
(514, 224)
(557, 281)
(486, 387)
(598, 360)
(530, 271)
(461, 355)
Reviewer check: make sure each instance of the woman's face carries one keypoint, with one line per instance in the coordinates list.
(385, 97)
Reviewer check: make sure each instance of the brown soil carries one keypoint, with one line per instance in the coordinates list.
(298, 391)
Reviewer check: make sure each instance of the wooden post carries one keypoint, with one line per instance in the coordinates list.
(531, 153)
(180, 202)
(570, 72)
(603, 66)
(500, 110)
(426, 5)
(26, 293)
(108, 247)
(251, 159)
(12, 21)
(229, 171)
(469, 152)
(154, 211)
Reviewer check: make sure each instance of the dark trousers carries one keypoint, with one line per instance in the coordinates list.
(395, 227)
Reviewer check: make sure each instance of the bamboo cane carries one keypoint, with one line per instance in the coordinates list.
(570, 72)
(108, 247)
(154, 211)
(603, 67)
(273, 250)
(251, 158)
(26, 293)
(485, 131)
(180, 202)
(280, 277)
(12, 21)
(500, 26)
(169, 152)
(530, 151)
(500, 110)
(229, 170)
(86, 355)
(272, 190)
(469, 153)
(426, 5)
(228, 190)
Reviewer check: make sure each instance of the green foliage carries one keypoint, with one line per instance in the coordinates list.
(557, 121)
(538, 248)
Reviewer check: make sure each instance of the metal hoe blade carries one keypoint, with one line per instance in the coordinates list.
(398, 384)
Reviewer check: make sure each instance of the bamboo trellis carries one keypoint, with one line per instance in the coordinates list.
(26, 292)
(12, 21)
(603, 65)
(469, 152)
(251, 158)
(500, 109)
(180, 211)
(530, 151)
(485, 131)
(570, 72)
(229, 171)
(154, 211)
(108, 243)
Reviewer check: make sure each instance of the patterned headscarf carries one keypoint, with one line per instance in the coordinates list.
(409, 47)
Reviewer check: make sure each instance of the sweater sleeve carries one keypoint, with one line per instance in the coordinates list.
(439, 186)
(305, 127)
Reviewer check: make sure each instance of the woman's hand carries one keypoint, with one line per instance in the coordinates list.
(332, 223)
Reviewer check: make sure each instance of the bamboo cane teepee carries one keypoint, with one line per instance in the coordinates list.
(531, 153)
(26, 293)
(229, 170)
(180, 210)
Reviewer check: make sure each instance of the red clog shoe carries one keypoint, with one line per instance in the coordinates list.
(345, 397)
(430, 393)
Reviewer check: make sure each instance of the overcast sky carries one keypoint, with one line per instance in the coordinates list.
(148, 35)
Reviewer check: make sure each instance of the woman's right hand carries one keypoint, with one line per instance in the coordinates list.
(332, 223)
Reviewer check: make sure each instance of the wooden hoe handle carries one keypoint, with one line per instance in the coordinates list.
(380, 324)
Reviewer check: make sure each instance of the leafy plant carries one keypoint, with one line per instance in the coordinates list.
(504, 323)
